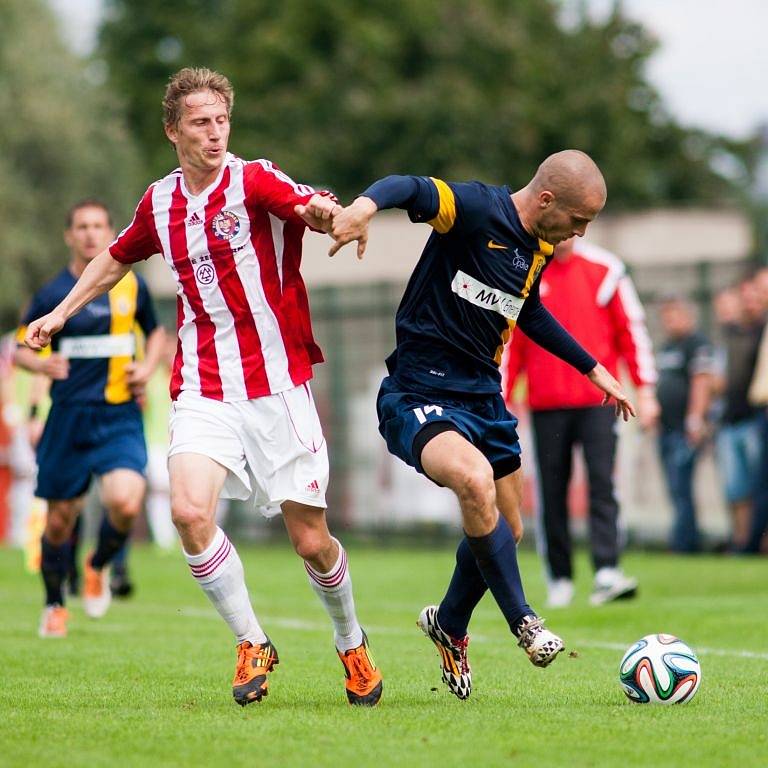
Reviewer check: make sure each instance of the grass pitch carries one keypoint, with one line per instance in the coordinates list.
(149, 685)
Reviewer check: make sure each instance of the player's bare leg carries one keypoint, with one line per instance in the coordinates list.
(326, 563)
(122, 494)
(453, 461)
(54, 563)
(196, 482)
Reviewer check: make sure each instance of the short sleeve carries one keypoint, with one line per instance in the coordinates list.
(462, 206)
(267, 187)
(138, 241)
(701, 357)
(145, 308)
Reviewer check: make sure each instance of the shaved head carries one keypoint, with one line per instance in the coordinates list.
(567, 193)
(572, 177)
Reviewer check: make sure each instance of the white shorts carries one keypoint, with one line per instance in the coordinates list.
(273, 446)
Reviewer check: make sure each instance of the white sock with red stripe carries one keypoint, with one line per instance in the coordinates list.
(335, 592)
(219, 571)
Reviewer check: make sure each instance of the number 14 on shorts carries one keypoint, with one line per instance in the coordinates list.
(423, 413)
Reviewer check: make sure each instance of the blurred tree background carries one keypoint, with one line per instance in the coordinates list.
(62, 139)
(351, 91)
(338, 93)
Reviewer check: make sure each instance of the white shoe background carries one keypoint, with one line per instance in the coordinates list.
(612, 584)
(559, 593)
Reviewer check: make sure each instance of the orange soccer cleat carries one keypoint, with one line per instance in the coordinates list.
(53, 622)
(254, 663)
(96, 594)
(363, 681)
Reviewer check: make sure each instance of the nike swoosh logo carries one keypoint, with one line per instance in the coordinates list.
(498, 246)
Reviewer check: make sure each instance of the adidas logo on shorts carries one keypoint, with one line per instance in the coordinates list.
(313, 487)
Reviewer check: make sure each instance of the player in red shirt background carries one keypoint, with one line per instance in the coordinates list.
(589, 291)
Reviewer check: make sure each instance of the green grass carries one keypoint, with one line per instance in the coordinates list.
(149, 685)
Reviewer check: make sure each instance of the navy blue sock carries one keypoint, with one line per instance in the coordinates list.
(496, 556)
(109, 543)
(465, 591)
(120, 560)
(54, 566)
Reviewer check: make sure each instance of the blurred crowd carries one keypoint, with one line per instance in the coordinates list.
(716, 390)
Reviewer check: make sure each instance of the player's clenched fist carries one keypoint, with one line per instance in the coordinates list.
(319, 211)
(39, 331)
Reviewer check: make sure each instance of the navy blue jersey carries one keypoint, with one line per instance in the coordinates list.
(467, 291)
(99, 341)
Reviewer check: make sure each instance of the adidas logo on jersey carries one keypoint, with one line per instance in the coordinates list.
(194, 219)
(313, 487)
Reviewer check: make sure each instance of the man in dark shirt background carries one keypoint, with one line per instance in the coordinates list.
(684, 364)
(739, 439)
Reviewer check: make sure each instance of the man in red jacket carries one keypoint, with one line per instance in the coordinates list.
(588, 290)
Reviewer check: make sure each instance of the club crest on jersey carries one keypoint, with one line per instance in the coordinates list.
(205, 274)
(225, 225)
(519, 261)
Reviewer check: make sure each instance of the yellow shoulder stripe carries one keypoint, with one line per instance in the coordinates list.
(446, 214)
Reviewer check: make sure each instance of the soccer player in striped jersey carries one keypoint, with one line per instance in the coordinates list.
(94, 426)
(441, 409)
(243, 419)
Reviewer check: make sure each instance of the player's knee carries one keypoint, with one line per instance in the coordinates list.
(189, 516)
(476, 489)
(59, 522)
(310, 545)
(125, 507)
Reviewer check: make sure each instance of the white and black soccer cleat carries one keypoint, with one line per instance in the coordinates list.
(453, 653)
(541, 645)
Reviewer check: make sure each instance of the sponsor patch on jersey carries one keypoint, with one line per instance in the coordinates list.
(98, 346)
(482, 295)
(519, 262)
(205, 273)
(225, 225)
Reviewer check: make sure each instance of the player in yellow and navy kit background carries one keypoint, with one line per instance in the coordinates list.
(94, 426)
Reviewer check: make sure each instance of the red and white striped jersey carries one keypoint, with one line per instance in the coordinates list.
(235, 250)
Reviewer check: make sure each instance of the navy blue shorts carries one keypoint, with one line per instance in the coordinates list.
(80, 441)
(408, 420)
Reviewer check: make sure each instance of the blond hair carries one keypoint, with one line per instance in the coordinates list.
(191, 80)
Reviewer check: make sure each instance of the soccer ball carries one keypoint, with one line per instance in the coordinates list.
(660, 669)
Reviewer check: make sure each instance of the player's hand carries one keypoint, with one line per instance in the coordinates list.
(695, 430)
(648, 408)
(351, 223)
(55, 366)
(138, 374)
(35, 431)
(603, 380)
(39, 331)
(319, 211)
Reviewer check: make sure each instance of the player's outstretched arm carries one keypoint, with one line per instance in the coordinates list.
(98, 277)
(603, 380)
(351, 223)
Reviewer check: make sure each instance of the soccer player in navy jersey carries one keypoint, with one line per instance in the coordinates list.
(94, 426)
(440, 409)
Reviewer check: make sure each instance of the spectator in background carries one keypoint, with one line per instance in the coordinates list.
(758, 397)
(588, 290)
(684, 389)
(740, 435)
